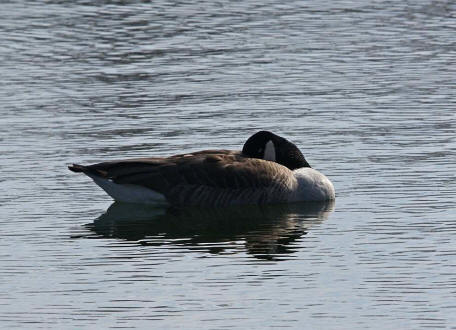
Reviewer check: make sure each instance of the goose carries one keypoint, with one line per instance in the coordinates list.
(269, 169)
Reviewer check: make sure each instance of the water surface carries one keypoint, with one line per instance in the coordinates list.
(365, 89)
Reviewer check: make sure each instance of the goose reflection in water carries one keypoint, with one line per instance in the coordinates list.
(264, 231)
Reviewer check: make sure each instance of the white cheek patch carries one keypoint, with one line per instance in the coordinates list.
(269, 152)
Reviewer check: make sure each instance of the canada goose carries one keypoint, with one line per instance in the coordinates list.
(269, 169)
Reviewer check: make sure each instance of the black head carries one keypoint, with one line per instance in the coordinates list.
(268, 146)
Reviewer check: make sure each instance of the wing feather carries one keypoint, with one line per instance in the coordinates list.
(204, 178)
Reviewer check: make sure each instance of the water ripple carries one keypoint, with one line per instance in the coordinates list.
(365, 89)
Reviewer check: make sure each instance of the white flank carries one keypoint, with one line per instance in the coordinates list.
(269, 152)
(312, 186)
(129, 193)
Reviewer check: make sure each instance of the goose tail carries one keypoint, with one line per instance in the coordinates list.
(77, 168)
(88, 170)
(129, 193)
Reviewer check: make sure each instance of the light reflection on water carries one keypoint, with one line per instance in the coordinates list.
(365, 89)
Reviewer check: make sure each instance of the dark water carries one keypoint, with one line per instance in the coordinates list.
(365, 89)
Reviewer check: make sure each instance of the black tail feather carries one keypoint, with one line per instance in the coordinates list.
(77, 168)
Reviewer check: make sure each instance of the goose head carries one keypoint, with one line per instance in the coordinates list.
(269, 146)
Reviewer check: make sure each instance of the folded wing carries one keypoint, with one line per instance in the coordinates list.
(219, 177)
